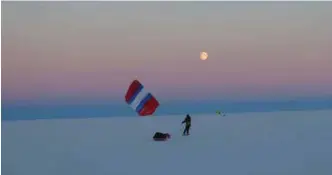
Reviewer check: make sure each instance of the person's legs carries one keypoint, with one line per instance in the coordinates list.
(186, 130)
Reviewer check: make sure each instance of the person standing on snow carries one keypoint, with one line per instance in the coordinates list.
(187, 120)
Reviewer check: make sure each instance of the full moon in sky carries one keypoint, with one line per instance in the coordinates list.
(203, 56)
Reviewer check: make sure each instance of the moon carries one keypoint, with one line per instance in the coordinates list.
(204, 56)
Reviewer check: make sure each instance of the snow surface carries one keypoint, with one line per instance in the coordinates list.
(279, 143)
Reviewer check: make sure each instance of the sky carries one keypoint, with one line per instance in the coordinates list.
(74, 53)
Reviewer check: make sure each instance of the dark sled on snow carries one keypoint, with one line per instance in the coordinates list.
(158, 136)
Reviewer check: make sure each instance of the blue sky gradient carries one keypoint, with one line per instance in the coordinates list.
(26, 111)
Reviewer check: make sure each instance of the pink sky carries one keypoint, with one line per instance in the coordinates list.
(256, 49)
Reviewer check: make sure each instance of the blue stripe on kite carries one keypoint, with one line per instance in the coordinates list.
(142, 103)
(138, 90)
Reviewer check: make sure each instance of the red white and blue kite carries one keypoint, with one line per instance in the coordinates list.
(142, 101)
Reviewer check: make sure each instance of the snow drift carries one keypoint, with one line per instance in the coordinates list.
(287, 143)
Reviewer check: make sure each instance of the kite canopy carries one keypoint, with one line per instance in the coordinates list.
(142, 101)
